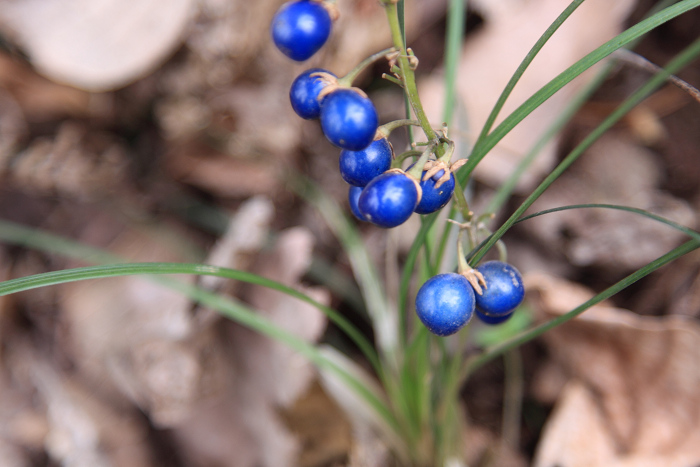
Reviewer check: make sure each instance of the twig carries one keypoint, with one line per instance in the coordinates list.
(634, 59)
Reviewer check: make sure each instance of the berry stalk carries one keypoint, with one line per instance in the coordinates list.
(407, 75)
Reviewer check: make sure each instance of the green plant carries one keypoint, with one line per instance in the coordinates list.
(417, 408)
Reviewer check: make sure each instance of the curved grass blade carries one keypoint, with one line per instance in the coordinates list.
(567, 76)
(506, 189)
(523, 66)
(227, 307)
(685, 57)
(128, 269)
(383, 319)
(690, 232)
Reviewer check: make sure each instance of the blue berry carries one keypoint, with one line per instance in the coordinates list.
(504, 289)
(304, 93)
(433, 198)
(492, 320)
(445, 303)
(349, 119)
(360, 167)
(353, 197)
(389, 199)
(300, 28)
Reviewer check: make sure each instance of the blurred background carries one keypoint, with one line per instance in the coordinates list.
(161, 131)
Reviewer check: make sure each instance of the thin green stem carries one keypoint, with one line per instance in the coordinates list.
(407, 75)
(512, 401)
(387, 128)
(461, 201)
(453, 47)
(347, 80)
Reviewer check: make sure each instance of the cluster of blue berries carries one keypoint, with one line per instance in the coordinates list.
(446, 302)
(378, 193)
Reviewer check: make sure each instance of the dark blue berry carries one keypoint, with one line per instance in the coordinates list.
(504, 289)
(353, 197)
(389, 199)
(349, 119)
(434, 198)
(300, 28)
(360, 167)
(304, 93)
(445, 303)
(492, 320)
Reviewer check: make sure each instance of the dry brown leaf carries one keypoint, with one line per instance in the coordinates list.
(74, 163)
(129, 330)
(241, 428)
(613, 171)
(96, 45)
(489, 58)
(633, 400)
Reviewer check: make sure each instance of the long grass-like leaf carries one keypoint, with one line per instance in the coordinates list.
(128, 269)
(227, 307)
(690, 232)
(568, 75)
(544, 38)
(384, 321)
(685, 57)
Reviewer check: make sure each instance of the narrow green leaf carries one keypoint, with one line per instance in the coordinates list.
(568, 75)
(685, 57)
(227, 307)
(524, 65)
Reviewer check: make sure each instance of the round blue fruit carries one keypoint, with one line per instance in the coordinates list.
(389, 199)
(300, 28)
(358, 168)
(434, 198)
(445, 303)
(492, 320)
(304, 93)
(504, 289)
(353, 198)
(349, 119)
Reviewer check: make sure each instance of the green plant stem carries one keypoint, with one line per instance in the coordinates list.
(512, 401)
(398, 162)
(685, 57)
(347, 80)
(477, 361)
(461, 201)
(453, 45)
(407, 75)
(417, 169)
(387, 128)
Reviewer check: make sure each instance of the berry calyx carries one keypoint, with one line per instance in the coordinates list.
(300, 28)
(349, 119)
(389, 199)
(305, 90)
(445, 303)
(358, 168)
(504, 289)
